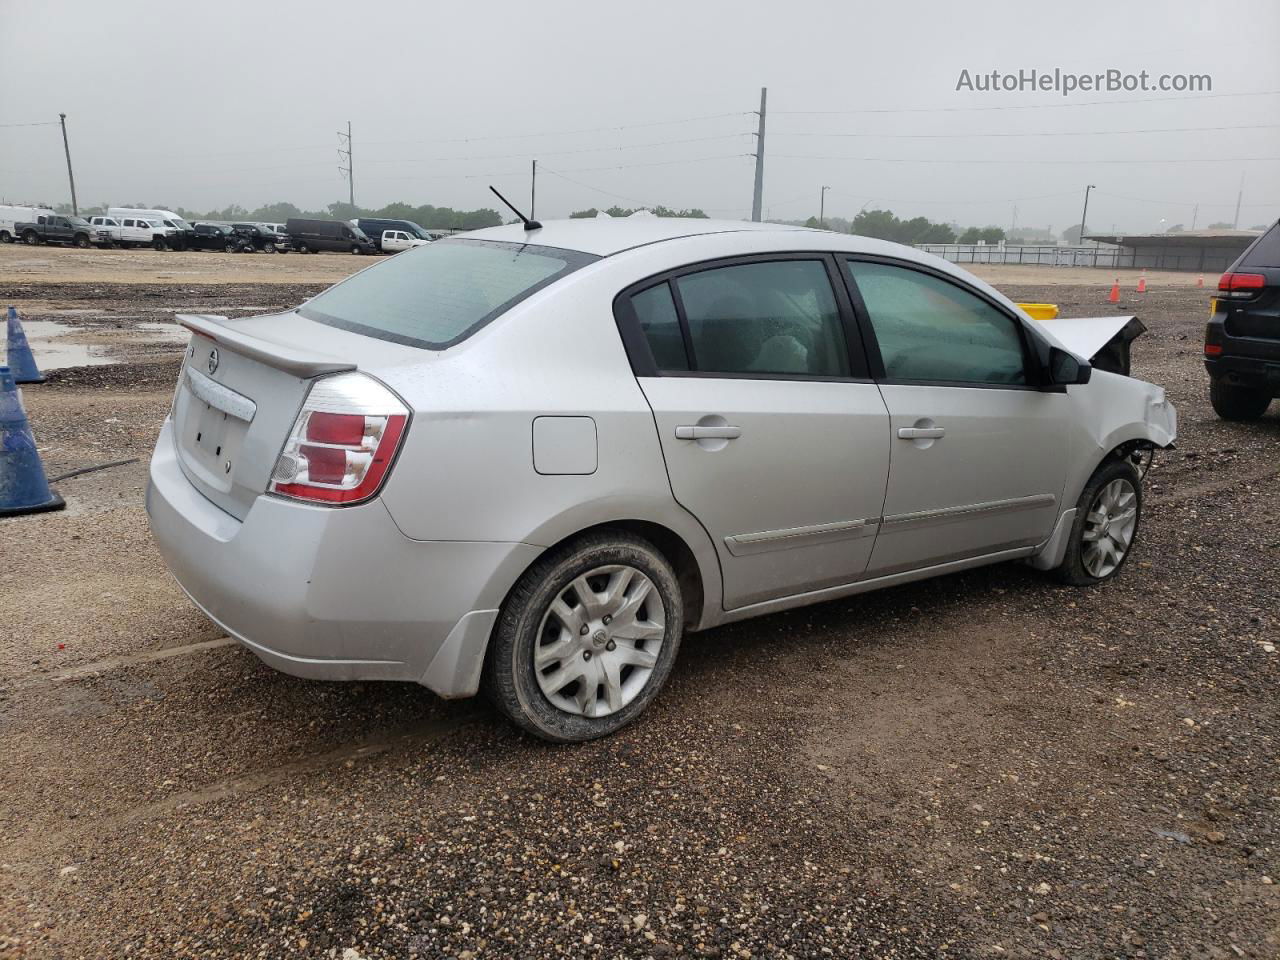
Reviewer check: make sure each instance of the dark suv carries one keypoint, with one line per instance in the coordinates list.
(214, 236)
(1242, 340)
(258, 238)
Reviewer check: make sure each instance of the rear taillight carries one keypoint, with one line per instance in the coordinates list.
(343, 442)
(1240, 286)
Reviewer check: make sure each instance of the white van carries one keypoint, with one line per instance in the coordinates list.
(182, 231)
(11, 215)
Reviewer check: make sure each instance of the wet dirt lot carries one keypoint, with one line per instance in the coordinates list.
(985, 765)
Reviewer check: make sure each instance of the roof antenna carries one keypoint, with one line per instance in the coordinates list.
(528, 224)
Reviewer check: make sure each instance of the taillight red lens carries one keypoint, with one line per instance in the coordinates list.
(336, 428)
(343, 442)
(1213, 349)
(1242, 281)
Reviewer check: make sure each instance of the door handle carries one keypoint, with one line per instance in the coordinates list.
(708, 433)
(921, 433)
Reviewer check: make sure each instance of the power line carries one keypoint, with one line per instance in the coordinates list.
(560, 153)
(564, 133)
(38, 123)
(1059, 133)
(949, 160)
(1025, 106)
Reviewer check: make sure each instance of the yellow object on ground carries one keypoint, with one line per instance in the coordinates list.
(1040, 311)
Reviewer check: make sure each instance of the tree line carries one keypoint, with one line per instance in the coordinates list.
(884, 225)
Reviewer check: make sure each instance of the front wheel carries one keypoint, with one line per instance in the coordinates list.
(82, 241)
(1106, 525)
(159, 244)
(1238, 403)
(586, 638)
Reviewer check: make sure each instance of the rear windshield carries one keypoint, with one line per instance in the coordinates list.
(439, 294)
(1266, 251)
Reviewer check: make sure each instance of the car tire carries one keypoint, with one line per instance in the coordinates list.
(1101, 539)
(355, 250)
(607, 674)
(6, 236)
(31, 238)
(1238, 403)
(302, 248)
(159, 244)
(82, 241)
(269, 248)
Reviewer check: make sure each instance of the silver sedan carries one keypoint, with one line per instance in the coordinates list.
(529, 460)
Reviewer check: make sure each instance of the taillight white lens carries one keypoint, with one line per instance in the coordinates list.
(342, 444)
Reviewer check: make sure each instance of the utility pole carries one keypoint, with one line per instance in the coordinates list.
(1235, 224)
(72, 177)
(348, 170)
(822, 209)
(758, 196)
(533, 193)
(1194, 214)
(1084, 214)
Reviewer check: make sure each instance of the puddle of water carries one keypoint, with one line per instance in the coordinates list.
(53, 352)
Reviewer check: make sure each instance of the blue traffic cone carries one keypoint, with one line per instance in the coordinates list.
(23, 487)
(21, 362)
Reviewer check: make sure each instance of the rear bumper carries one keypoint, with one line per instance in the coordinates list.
(333, 594)
(1252, 372)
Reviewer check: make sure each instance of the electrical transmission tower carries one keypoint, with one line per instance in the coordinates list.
(346, 155)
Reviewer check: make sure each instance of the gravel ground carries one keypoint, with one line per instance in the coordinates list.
(985, 765)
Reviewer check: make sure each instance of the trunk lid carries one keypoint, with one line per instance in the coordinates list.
(237, 397)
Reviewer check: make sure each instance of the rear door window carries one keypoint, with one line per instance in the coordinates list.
(766, 318)
(438, 294)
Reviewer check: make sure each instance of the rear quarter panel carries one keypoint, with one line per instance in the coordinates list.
(467, 469)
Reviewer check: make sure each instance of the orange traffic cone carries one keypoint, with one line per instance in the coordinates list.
(1200, 280)
(1114, 296)
(1142, 282)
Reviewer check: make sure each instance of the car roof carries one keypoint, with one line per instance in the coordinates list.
(604, 236)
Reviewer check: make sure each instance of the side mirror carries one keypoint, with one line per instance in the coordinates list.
(1065, 369)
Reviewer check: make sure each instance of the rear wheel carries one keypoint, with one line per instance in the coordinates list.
(1238, 403)
(1106, 525)
(586, 639)
(32, 238)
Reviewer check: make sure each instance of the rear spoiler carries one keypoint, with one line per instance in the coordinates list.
(301, 363)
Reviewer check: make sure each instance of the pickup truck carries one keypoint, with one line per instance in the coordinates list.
(132, 232)
(260, 239)
(54, 228)
(393, 241)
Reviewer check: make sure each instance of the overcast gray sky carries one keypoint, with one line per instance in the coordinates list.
(202, 105)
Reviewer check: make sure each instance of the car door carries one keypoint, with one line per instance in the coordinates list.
(979, 448)
(774, 436)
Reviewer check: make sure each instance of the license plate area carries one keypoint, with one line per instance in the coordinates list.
(211, 441)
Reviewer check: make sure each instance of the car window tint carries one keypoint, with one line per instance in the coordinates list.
(435, 295)
(1267, 251)
(656, 311)
(930, 329)
(775, 317)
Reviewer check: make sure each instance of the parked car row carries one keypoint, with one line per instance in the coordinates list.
(166, 230)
